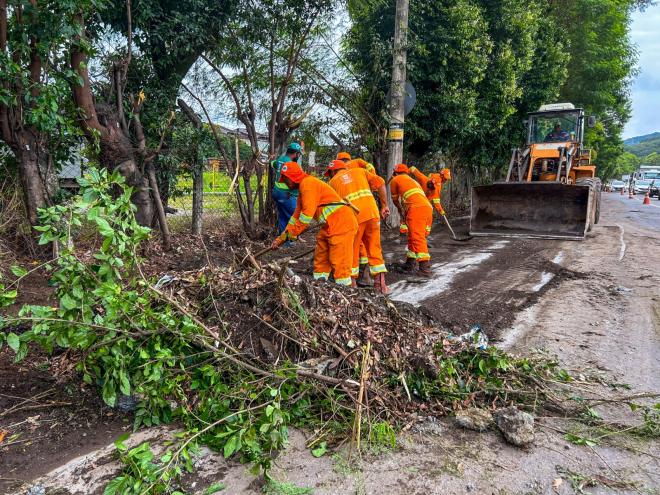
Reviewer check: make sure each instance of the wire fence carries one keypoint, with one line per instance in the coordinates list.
(219, 198)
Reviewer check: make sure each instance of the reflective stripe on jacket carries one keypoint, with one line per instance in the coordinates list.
(317, 201)
(356, 185)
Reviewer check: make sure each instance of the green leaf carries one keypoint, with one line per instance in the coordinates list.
(214, 488)
(19, 271)
(124, 384)
(320, 450)
(119, 443)
(13, 341)
(108, 393)
(67, 302)
(104, 227)
(116, 486)
(230, 446)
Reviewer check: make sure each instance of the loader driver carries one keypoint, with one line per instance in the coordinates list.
(557, 135)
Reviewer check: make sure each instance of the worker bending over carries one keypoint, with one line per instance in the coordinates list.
(365, 279)
(432, 185)
(356, 185)
(334, 242)
(413, 206)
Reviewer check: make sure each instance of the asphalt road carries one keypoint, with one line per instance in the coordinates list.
(646, 216)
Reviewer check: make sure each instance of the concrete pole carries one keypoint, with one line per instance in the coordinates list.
(397, 96)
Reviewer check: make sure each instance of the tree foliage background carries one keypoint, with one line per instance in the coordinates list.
(479, 66)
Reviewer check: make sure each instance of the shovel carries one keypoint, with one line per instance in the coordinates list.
(453, 234)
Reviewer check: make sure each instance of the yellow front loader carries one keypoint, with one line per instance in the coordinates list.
(551, 190)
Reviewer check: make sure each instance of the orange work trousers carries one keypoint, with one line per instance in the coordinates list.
(334, 254)
(364, 258)
(368, 237)
(419, 220)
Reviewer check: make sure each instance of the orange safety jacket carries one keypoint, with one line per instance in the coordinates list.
(433, 195)
(360, 163)
(406, 192)
(317, 201)
(355, 185)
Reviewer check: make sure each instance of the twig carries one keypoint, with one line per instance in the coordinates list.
(357, 424)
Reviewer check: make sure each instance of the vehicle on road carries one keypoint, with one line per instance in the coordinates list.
(642, 186)
(654, 189)
(551, 190)
(618, 185)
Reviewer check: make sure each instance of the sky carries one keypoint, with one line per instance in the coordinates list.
(645, 33)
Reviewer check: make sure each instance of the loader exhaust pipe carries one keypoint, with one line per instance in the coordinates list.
(547, 210)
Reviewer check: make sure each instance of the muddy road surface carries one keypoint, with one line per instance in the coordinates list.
(594, 305)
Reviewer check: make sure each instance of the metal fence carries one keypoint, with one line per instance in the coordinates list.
(219, 197)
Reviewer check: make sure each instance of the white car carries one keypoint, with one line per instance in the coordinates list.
(617, 185)
(642, 186)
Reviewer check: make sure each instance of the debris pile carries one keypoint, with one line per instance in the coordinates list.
(273, 316)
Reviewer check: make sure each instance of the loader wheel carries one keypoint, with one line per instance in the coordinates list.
(596, 185)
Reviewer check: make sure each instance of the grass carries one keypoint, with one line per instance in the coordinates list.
(217, 182)
(274, 487)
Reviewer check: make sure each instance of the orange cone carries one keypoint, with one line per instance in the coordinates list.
(647, 199)
(622, 191)
(630, 194)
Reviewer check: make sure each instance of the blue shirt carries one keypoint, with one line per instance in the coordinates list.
(277, 165)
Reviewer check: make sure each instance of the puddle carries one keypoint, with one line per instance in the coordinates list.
(559, 258)
(545, 278)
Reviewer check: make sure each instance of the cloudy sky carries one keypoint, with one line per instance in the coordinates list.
(646, 88)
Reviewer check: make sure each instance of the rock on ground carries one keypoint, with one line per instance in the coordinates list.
(474, 419)
(516, 426)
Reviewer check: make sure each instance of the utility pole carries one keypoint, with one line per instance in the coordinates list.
(397, 95)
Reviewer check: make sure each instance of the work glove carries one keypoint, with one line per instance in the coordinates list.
(278, 241)
(385, 212)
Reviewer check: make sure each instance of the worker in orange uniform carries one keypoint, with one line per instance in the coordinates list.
(356, 185)
(334, 242)
(432, 185)
(412, 204)
(365, 278)
(344, 156)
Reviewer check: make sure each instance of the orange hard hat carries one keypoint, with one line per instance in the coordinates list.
(401, 168)
(446, 174)
(335, 165)
(342, 155)
(293, 172)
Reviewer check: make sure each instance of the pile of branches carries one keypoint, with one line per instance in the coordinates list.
(388, 356)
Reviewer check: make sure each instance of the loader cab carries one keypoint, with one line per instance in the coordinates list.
(554, 146)
(541, 124)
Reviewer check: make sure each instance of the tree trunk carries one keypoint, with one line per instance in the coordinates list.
(33, 185)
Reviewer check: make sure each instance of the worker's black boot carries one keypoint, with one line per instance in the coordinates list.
(365, 279)
(425, 269)
(411, 264)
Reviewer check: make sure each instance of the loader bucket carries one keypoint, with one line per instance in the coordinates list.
(547, 210)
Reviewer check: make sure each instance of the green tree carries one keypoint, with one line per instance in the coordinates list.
(602, 63)
(477, 66)
(36, 110)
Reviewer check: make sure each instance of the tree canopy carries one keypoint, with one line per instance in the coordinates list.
(479, 66)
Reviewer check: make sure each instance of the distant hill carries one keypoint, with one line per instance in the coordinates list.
(643, 145)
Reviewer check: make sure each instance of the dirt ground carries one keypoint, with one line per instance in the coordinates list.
(593, 304)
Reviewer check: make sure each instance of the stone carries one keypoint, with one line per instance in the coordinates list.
(516, 426)
(474, 419)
